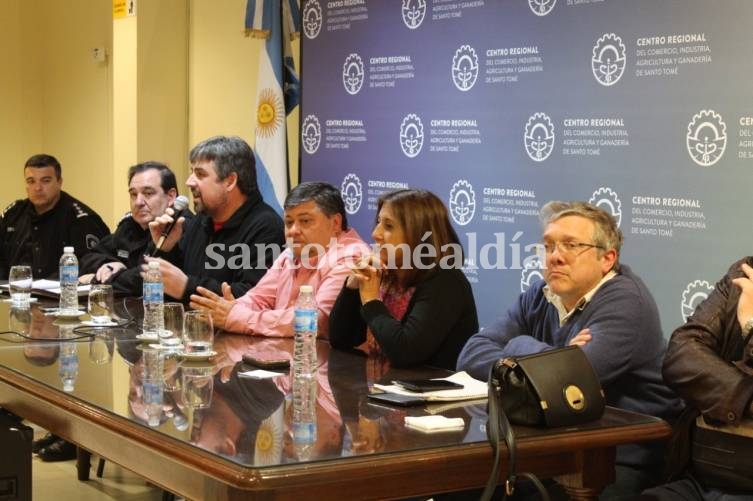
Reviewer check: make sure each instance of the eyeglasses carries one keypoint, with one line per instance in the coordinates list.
(568, 248)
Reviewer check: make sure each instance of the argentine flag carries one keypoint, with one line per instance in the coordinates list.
(278, 92)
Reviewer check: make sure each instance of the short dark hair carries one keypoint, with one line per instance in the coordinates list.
(327, 198)
(44, 160)
(229, 154)
(167, 177)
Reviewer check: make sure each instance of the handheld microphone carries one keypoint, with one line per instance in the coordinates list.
(179, 205)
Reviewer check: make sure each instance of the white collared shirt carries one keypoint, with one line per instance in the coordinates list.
(555, 300)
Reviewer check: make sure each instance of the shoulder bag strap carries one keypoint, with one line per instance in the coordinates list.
(498, 421)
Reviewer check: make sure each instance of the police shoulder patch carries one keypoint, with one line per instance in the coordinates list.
(10, 206)
(80, 211)
(125, 217)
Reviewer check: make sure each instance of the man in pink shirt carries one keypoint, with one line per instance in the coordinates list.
(319, 249)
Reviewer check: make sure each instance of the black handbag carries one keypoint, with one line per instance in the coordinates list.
(553, 388)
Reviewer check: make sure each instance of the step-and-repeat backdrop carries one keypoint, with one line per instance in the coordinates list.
(643, 107)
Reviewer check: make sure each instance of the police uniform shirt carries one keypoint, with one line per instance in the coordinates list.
(38, 239)
(127, 245)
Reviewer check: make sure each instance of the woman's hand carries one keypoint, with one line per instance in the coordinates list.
(366, 276)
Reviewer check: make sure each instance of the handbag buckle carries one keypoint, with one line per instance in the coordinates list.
(575, 398)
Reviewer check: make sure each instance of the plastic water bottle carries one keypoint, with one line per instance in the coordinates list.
(68, 360)
(153, 301)
(153, 395)
(304, 373)
(68, 281)
(152, 383)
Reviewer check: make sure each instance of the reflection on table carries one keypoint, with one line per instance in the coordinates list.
(220, 431)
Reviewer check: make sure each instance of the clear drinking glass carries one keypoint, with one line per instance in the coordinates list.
(198, 386)
(19, 320)
(100, 306)
(172, 370)
(172, 334)
(198, 332)
(19, 283)
(101, 348)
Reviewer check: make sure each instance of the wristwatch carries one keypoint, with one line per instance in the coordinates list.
(748, 326)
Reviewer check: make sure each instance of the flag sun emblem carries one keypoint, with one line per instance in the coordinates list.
(269, 114)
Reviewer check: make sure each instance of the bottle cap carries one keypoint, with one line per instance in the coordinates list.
(307, 289)
(153, 265)
(68, 249)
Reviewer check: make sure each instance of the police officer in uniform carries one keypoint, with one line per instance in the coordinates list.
(35, 230)
(152, 188)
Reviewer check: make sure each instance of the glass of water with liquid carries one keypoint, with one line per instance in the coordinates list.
(198, 332)
(100, 304)
(19, 283)
(172, 334)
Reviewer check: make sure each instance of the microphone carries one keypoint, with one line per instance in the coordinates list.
(179, 205)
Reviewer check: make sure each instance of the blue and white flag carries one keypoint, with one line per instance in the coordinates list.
(278, 92)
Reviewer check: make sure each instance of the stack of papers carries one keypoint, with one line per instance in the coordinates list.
(472, 389)
(50, 288)
(434, 423)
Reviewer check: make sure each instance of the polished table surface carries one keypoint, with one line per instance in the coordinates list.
(241, 445)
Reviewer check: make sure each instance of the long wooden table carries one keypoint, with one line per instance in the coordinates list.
(241, 447)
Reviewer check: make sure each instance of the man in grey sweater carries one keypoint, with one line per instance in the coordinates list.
(588, 299)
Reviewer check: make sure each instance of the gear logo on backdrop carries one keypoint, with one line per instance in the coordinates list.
(465, 68)
(352, 193)
(311, 18)
(608, 61)
(353, 74)
(541, 7)
(413, 12)
(311, 134)
(606, 199)
(462, 202)
(539, 137)
(411, 135)
(531, 273)
(694, 294)
(707, 138)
